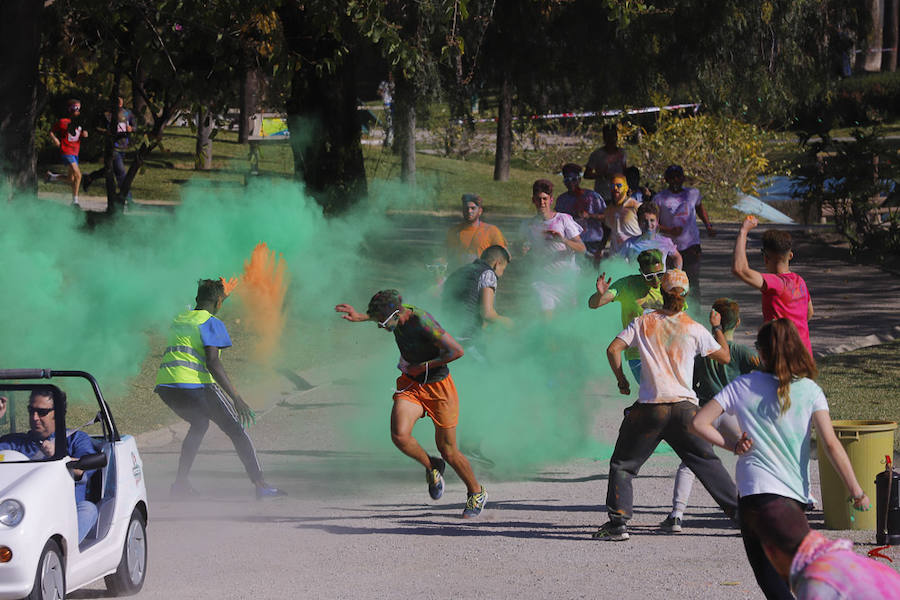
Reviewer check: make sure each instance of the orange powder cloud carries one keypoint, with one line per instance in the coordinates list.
(262, 289)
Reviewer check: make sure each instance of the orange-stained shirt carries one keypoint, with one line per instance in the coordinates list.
(466, 241)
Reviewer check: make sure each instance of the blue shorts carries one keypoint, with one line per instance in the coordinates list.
(70, 159)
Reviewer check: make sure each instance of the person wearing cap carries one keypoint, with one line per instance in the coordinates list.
(650, 238)
(606, 161)
(586, 207)
(67, 135)
(621, 214)
(679, 208)
(636, 294)
(424, 387)
(553, 240)
(668, 340)
(468, 239)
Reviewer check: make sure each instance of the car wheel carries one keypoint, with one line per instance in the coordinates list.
(50, 579)
(129, 577)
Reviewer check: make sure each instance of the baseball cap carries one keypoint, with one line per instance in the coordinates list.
(676, 278)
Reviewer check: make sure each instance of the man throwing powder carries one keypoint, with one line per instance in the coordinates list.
(423, 388)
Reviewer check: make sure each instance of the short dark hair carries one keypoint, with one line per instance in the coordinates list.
(494, 252)
(571, 168)
(730, 312)
(210, 290)
(542, 186)
(673, 170)
(777, 242)
(610, 128)
(57, 395)
(647, 207)
(383, 303)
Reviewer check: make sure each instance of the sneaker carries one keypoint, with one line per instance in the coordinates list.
(435, 477)
(614, 531)
(671, 524)
(182, 490)
(266, 491)
(475, 504)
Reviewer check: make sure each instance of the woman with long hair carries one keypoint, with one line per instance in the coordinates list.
(775, 408)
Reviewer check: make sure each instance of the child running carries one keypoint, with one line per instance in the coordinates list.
(784, 294)
(423, 388)
(709, 379)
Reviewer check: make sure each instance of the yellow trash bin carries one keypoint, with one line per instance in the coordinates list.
(866, 443)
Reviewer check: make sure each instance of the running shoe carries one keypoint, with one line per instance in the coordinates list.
(475, 504)
(267, 491)
(671, 524)
(435, 477)
(614, 531)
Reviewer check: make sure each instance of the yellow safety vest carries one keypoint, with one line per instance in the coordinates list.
(185, 358)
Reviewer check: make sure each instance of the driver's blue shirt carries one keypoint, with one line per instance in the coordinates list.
(78, 444)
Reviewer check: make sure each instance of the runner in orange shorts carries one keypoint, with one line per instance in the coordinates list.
(423, 388)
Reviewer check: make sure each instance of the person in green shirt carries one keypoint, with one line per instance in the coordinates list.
(636, 294)
(709, 379)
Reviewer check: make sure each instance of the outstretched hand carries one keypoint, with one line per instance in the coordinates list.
(603, 283)
(229, 285)
(715, 319)
(350, 313)
(743, 445)
(245, 414)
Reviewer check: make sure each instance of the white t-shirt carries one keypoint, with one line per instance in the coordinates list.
(552, 253)
(680, 210)
(778, 461)
(668, 345)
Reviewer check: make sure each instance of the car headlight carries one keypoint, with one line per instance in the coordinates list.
(11, 512)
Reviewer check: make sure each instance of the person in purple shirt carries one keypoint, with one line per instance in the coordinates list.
(651, 239)
(39, 443)
(586, 207)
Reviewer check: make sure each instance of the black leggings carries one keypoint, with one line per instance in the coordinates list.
(198, 406)
(770, 582)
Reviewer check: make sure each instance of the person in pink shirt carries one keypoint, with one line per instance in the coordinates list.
(784, 293)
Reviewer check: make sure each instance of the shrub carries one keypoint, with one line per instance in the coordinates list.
(719, 155)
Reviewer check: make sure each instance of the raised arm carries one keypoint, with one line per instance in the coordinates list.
(603, 295)
(740, 267)
(723, 354)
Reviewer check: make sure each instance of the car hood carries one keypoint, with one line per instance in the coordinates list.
(14, 477)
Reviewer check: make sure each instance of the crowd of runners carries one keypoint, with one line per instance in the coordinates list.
(696, 387)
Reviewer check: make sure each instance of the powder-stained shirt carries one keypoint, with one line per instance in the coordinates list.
(667, 345)
(679, 209)
(637, 244)
(466, 241)
(622, 222)
(824, 569)
(417, 340)
(710, 376)
(551, 252)
(579, 202)
(786, 296)
(635, 296)
(778, 461)
(69, 136)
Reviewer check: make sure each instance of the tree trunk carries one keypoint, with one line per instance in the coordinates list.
(871, 57)
(891, 33)
(321, 108)
(20, 41)
(203, 158)
(504, 132)
(249, 100)
(112, 190)
(405, 102)
(139, 104)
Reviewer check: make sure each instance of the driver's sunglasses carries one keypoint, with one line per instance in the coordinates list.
(384, 323)
(653, 275)
(43, 412)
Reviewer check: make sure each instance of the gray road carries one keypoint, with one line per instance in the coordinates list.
(358, 522)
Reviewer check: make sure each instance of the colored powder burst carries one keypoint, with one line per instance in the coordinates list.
(262, 290)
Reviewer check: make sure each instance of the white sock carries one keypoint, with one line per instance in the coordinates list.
(74, 199)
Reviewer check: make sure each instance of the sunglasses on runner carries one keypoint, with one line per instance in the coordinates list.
(618, 185)
(654, 275)
(384, 323)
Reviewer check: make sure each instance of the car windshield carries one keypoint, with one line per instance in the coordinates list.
(33, 415)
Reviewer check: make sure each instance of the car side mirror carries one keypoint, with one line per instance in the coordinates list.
(88, 462)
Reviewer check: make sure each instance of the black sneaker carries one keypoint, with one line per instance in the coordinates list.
(671, 524)
(614, 531)
(435, 477)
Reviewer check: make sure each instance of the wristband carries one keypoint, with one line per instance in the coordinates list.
(717, 328)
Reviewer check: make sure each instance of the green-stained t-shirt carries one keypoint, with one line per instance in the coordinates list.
(417, 340)
(635, 296)
(711, 376)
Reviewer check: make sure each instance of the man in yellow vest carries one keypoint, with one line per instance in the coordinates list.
(191, 380)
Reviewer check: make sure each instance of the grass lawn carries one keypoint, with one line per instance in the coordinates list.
(862, 384)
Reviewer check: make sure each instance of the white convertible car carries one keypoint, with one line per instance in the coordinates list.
(40, 555)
